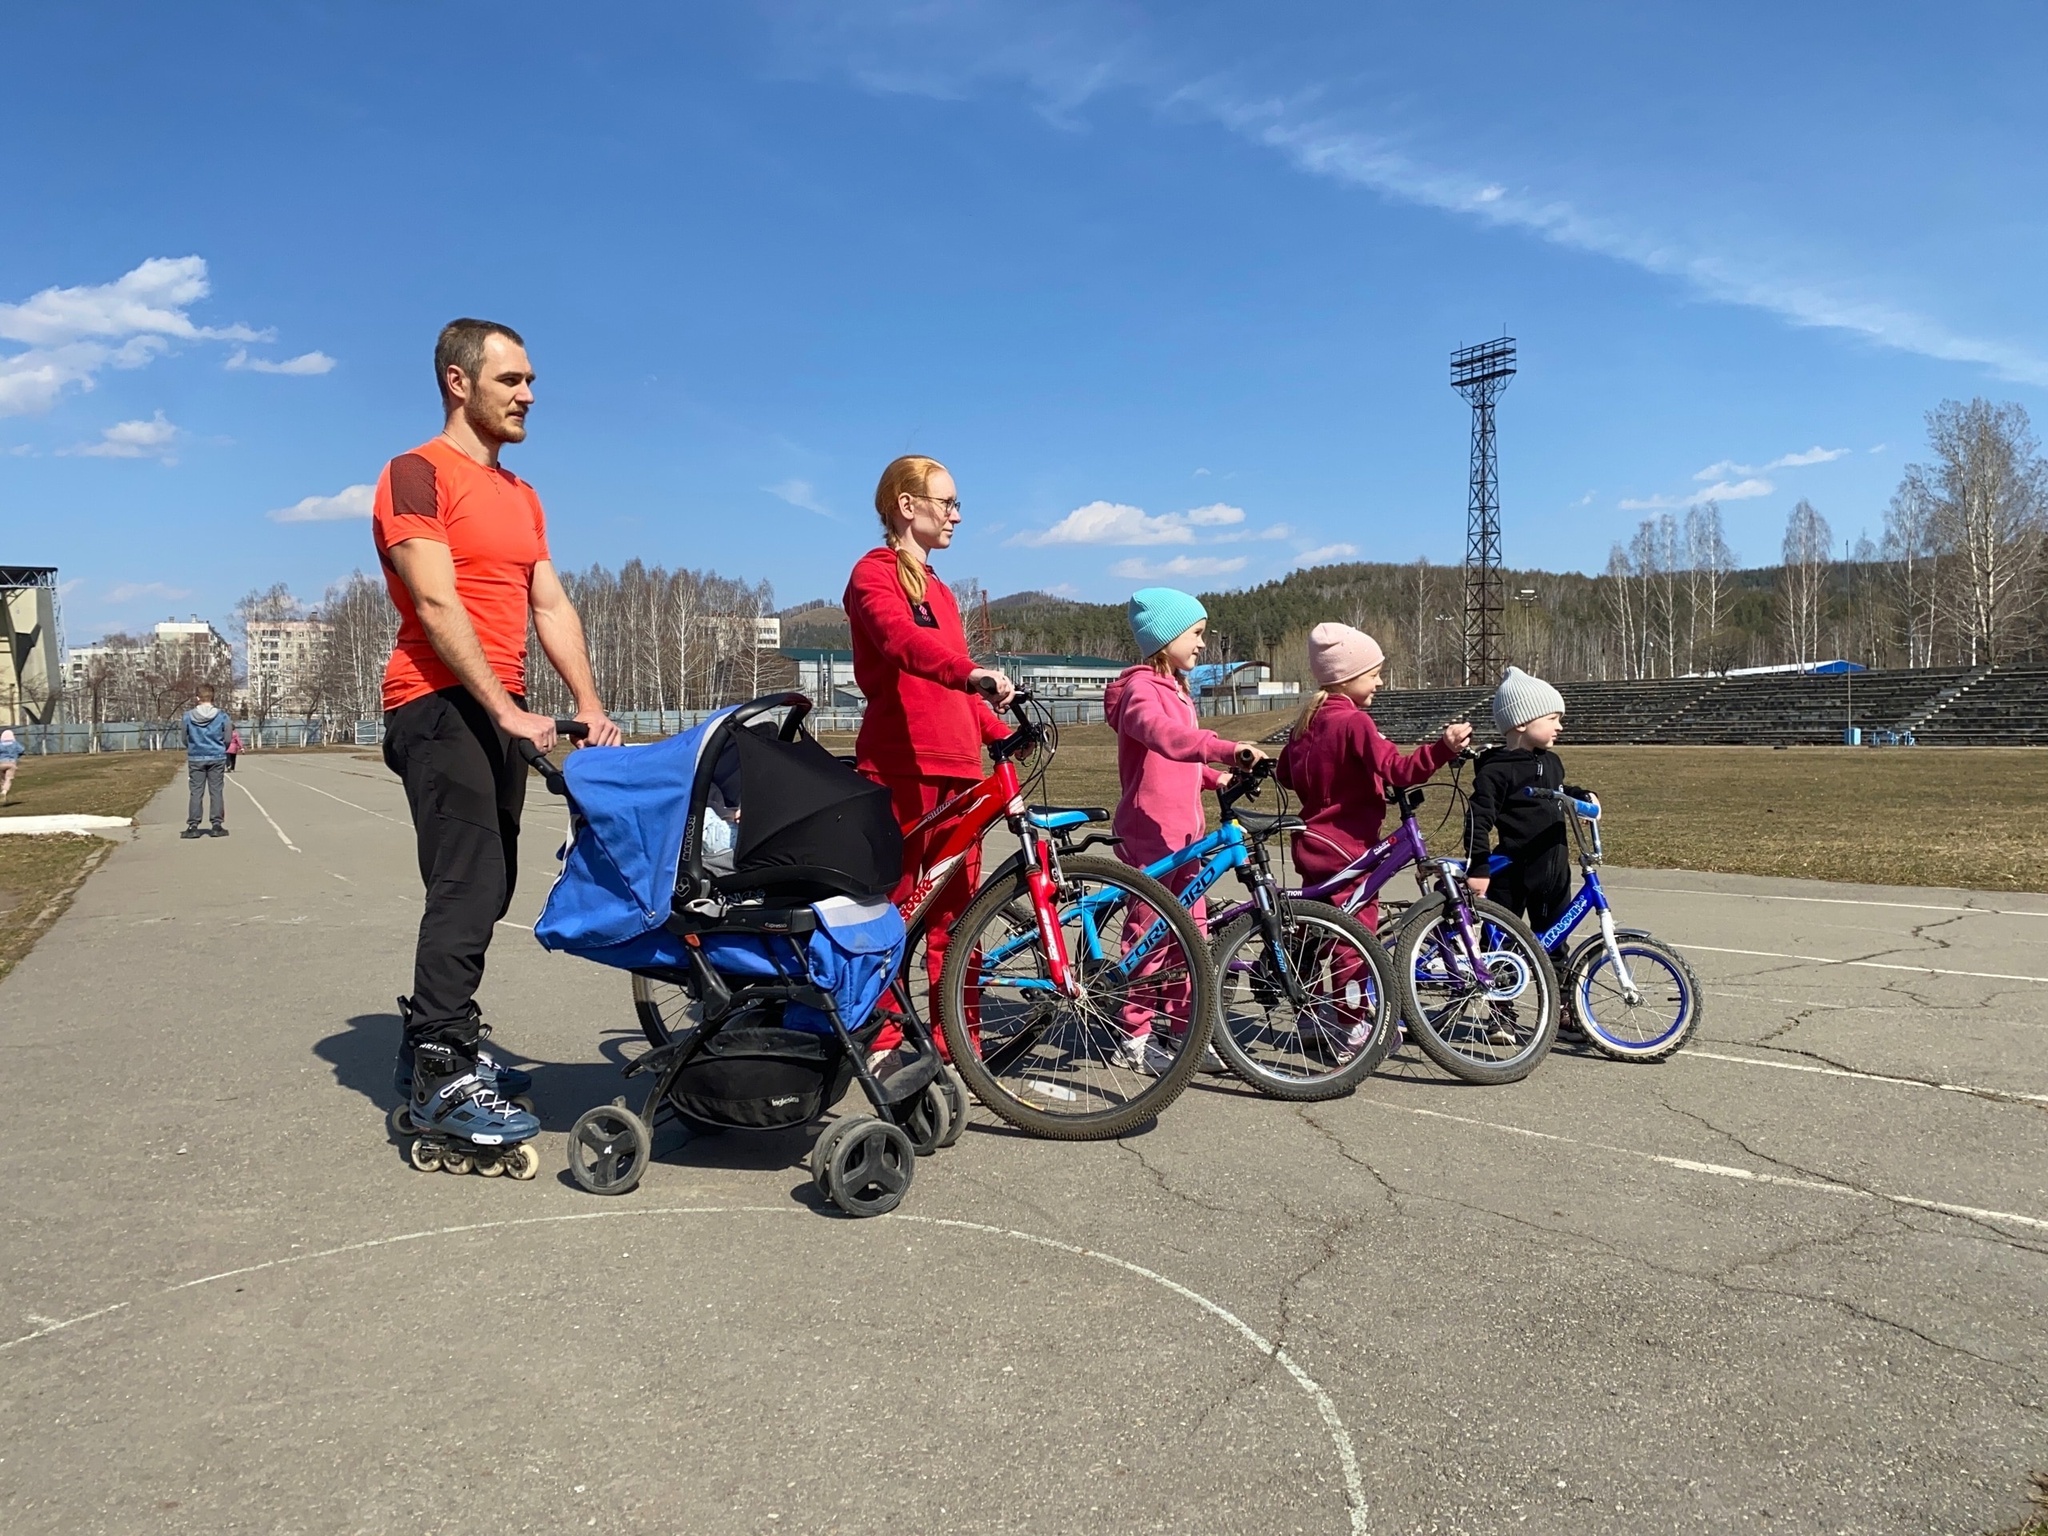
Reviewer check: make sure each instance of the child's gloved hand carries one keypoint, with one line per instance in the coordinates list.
(1458, 735)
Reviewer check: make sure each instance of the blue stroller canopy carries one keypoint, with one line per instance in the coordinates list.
(612, 900)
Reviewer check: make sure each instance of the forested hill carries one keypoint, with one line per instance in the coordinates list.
(1567, 624)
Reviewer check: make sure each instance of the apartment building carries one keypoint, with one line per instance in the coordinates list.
(285, 661)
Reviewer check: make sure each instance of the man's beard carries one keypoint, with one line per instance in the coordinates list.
(493, 429)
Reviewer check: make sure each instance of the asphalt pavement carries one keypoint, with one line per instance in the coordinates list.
(1792, 1280)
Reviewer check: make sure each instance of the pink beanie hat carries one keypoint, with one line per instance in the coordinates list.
(1337, 653)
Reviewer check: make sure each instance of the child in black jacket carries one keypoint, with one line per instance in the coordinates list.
(1538, 884)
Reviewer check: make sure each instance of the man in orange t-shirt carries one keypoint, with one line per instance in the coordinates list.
(465, 553)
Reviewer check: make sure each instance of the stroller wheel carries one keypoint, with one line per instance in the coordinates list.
(928, 1119)
(821, 1151)
(870, 1167)
(608, 1150)
(956, 1101)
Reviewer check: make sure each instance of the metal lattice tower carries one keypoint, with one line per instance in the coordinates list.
(1479, 374)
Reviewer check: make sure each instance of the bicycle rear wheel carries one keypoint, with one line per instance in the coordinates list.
(662, 1007)
(1112, 1056)
(1667, 1006)
(1488, 1017)
(1330, 1042)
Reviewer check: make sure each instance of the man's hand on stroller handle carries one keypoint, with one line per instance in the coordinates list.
(596, 728)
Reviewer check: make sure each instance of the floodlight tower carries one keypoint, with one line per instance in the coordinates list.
(1480, 373)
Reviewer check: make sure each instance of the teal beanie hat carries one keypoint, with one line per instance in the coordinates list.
(1159, 616)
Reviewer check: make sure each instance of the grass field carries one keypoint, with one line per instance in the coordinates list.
(1968, 817)
(38, 874)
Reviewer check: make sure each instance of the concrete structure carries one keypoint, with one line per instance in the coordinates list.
(825, 676)
(31, 682)
(285, 661)
(1060, 677)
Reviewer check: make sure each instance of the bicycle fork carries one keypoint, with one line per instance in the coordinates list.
(1044, 888)
(1630, 992)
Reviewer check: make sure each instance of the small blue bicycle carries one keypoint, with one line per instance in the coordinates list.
(1632, 996)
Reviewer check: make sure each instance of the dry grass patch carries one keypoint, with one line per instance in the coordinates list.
(38, 875)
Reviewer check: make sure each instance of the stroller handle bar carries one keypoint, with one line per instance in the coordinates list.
(574, 730)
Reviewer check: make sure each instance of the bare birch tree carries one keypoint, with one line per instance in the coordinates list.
(1808, 542)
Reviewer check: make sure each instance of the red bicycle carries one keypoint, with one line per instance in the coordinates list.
(1077, 994)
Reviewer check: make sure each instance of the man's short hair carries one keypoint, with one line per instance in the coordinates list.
(462, 346)
(206, 692)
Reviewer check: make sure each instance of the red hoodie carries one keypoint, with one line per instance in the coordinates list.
(1341, 767)
(1161, 750)
(912, 663)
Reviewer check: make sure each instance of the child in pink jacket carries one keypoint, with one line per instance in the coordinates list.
(1164, 761)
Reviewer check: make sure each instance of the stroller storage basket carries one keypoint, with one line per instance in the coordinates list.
(761, 1078)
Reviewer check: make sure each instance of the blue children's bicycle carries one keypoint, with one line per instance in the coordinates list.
(1306, 1005)
(1634, 998)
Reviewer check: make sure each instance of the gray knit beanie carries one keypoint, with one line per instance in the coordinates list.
(1521, 698)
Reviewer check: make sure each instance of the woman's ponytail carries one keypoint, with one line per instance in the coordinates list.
(908, 476)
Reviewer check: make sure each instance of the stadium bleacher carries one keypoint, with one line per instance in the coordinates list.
(1951, 706)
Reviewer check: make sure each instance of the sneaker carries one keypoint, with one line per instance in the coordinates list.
(218, 832)
(1141, 1053)
(1503, 1028)
(1212, 1064)
(1342, 1041)
(190, 832)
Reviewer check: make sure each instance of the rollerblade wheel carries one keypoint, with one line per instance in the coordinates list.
(522, 1162)
(399, 1121)
(425, 1156)
(525, 1102)
(490, 1165)
(870, 1169)
(927, 1119)
(608, 1149)
(821, 1151)
(453, 1161)
(956, 1101)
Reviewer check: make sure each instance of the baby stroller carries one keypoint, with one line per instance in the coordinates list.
(745, 864)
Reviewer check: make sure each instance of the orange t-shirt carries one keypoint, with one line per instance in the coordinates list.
(492, 523)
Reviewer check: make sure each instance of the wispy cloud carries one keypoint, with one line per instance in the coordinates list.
(1115, 522)
(129, 591)
(71, 335)
(350, 501)
(800, 494)
(1813, 455)
(152, 439)
(1136, 569)
(1323, 554)
(305, 363)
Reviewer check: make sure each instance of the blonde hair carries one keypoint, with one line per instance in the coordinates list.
(910, 475)
(1308, 713)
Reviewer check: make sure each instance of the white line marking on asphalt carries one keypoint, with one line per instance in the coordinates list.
(302, 784)
(1326, 1409)
(1836, 901)
(1694, 1053)
(1722, 1170)
(506, 922)
(1870, 965)
(266, 815)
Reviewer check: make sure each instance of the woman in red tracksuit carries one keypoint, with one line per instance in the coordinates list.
(926, 722)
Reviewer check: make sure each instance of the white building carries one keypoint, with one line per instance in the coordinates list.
(285, 661)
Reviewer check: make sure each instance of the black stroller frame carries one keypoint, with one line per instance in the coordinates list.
(863, 1164)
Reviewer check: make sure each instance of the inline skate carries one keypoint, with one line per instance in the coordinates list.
(460, 1124)
(508, 1082)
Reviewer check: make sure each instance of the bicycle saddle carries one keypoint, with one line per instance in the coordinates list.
(1054, 817)
(1259, 824)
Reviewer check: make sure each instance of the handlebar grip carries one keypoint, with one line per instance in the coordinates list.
(1586, 808)
(575, 730)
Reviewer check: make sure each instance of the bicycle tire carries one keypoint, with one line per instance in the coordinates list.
(1046, 1040)
(1240, 991)
(1464, 1050)
(1583, 973)
(661, 1007)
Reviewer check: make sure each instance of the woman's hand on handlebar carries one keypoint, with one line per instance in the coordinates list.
(991, 682)
(1458, 735)
(603, 732)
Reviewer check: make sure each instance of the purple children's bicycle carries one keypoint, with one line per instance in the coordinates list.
(1478, 992)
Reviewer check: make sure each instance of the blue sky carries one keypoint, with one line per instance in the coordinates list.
(1171, 289)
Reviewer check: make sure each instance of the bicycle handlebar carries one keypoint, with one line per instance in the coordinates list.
(1246, 785)
(1590, 809)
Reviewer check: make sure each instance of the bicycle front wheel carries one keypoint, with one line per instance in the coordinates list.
(1486, 1014)
(1328, 1040)
(1118, 1047)
(1656, 1020)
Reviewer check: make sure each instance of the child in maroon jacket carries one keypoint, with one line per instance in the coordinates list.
(1339, 765)
(922, 734)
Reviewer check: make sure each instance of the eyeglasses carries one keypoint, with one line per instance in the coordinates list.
(950, 504)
